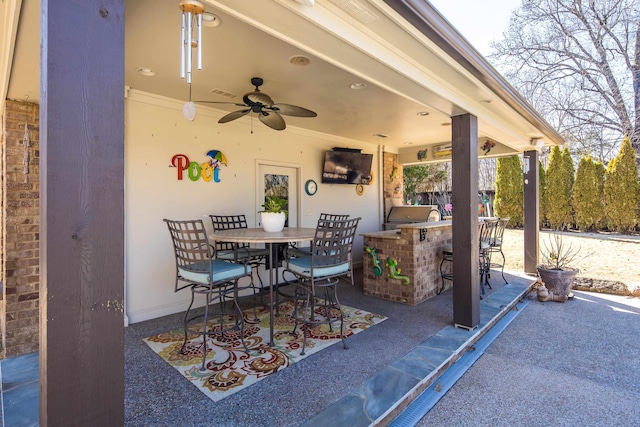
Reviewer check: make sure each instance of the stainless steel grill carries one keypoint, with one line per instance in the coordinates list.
(411, 214)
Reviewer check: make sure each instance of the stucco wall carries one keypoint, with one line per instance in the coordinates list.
(155, 131)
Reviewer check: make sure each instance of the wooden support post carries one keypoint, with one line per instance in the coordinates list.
(531, 178)
(82, 213)
(464, 166)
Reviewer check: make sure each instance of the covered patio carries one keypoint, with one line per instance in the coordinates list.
(104, 184)
(319, 390)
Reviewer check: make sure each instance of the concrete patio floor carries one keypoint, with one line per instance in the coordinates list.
(555, 364)
(384, 367)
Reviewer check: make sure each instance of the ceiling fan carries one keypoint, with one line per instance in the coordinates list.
(268, 112)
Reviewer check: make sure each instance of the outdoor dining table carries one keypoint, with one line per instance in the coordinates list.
(258, 235)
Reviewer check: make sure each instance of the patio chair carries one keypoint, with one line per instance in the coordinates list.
(318, 274)
(485, 230)
(496, 245)
(294, 250)
(238, 252)
(216, 280)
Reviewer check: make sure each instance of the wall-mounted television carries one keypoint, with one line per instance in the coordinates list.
(345, 166)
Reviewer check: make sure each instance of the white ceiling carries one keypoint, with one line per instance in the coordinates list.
(405, 73)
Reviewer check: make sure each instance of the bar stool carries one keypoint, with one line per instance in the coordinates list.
(317, 276)
(486, 229)
(216, 280)
(487, 232)
(496, 245)
(237, 252)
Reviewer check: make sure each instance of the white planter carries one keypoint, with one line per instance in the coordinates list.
(272, 222)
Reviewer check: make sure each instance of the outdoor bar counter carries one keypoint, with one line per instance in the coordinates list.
(403, 265)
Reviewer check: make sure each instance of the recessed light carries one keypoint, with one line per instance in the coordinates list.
(148, 72)
(485, 101)
(299, 60)
(422, 113)
(211, 20)
(357, 86)
(408, 143)
(445, 124)
(380, 135)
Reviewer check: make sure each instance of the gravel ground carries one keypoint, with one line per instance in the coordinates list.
(607, 262)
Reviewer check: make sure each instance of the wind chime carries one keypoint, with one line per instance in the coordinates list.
(192, 11)
(26, 143)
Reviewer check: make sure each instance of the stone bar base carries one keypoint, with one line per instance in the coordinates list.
(417, 249)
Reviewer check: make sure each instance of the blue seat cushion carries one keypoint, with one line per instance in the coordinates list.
(302, 266)
(222, 271)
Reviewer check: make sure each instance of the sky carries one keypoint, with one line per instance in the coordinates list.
(479, 21)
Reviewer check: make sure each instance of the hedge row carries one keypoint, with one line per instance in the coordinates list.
(589, 199)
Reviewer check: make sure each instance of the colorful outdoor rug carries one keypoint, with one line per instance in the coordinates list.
(230, 369)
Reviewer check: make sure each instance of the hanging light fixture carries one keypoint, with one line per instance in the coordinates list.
(192, 10)
(189, 109)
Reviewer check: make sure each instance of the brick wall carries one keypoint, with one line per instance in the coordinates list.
(418, 257)
(19, 226)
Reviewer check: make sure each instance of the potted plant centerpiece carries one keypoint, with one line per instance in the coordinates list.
(273, 215)
(555, 270)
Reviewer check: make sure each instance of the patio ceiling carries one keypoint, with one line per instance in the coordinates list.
(347, 42)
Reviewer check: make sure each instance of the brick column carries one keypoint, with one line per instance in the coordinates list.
(19, 230)
(393, 181)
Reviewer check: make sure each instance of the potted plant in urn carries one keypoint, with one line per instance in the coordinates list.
(273, 215)
(555, 270)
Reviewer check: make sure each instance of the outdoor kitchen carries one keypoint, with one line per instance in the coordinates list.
(405, 214)
(402, 263)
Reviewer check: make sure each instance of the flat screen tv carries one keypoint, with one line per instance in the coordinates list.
(346, 167)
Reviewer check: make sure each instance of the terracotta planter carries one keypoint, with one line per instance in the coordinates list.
(272, 221)
(559, 282)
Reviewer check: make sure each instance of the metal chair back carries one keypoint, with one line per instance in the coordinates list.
(333, 242)
(191, 248)
(499, 232)
(228, 222)
(332, 217)
(487, 233)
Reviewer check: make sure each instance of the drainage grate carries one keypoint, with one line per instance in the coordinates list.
(428, 399)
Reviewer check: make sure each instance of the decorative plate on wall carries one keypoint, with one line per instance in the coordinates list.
(359, 189)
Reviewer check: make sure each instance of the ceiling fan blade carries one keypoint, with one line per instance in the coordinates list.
(258, 97)
(293, 110)
(272, 119)
(234, 115)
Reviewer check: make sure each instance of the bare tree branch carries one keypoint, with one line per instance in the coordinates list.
(578, 62)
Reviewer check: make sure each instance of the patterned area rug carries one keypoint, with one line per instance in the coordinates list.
(230, 369)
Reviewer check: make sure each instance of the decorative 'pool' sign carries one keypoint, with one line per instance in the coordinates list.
(207, 171)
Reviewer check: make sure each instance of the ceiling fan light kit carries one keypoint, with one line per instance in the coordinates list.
(189, 111)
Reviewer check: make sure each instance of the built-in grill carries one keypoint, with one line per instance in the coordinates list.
(411, 214)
